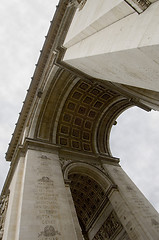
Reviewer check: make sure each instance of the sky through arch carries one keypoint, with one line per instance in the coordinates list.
(135, 141)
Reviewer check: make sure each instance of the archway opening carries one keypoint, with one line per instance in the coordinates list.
(91, 189)
(88, 197)
(135, 141)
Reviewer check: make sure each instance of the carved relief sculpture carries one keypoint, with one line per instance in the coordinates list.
(3, 210)
(109, 229)
(49, 231)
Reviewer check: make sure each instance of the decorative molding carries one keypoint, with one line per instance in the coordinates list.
(73, 3)
(37, 144)
(3, 210)
(139, 5)
(45, 62)
(90, 158)
(77, 3)
(81, 4)
(64, 162)
(136, 96)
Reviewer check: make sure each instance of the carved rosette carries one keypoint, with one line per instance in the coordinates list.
(3, 210)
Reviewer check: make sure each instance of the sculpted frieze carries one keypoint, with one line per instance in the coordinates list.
(3, 210)
(109, 229)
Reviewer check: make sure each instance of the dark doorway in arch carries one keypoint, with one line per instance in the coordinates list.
(88, 197)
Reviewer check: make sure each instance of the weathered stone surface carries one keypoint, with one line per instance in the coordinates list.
(137, 215)
(127, 51)
(45, 209)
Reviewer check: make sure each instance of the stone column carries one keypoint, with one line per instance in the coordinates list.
(15, 188)
(45, 211)
(73, 211)
(137, 215)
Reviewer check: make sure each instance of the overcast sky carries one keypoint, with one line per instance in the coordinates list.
(23, 25)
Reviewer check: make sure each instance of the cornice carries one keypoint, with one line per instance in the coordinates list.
(88, 157)
(44, 146)
(138, 5)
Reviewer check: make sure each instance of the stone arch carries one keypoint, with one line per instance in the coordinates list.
(90, 187)
(108, 119)
(79, 114)
(95, 171)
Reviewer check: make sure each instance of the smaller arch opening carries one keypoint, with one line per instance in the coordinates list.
(89, 191)
(87, 195)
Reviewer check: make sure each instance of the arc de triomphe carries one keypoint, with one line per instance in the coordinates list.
(99, 58)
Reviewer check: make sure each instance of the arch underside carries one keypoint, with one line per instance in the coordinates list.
(87, 195)
(78, 113)
(90, 194)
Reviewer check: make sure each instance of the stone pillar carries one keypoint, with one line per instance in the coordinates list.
(137, 215)
(15, 188)
(73, 211)
(45, 211)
